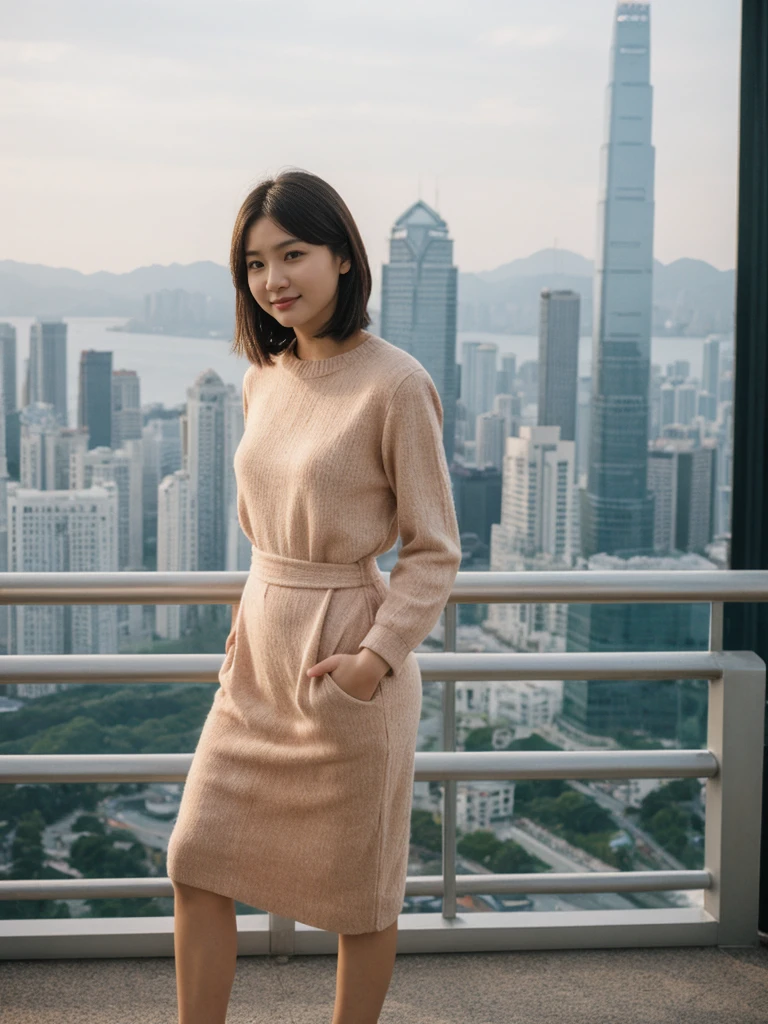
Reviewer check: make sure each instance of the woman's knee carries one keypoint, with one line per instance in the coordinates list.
(192, 892)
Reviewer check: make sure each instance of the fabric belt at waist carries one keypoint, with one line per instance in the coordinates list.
(297, 572)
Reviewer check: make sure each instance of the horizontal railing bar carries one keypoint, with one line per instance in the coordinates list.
(565, 882)
(416, 885)
(204, 668)
(562, 587)
(611, 587)
(86, 888)
(430, 765)
(564, 764)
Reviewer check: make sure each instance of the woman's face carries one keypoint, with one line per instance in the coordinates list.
(281, 266)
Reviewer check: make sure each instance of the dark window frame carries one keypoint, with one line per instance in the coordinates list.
(746, 625)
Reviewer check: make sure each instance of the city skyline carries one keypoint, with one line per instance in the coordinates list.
(161, 162)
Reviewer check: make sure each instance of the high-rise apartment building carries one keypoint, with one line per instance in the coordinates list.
(176, 546)
(69, 530)
(209, 460)
(126, 407)
(161, 456)
(97, 466)
(681, 474)
(535, 532)
(47, 367)
(479, 381)
(491, 434)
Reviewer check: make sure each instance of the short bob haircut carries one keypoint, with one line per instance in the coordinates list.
(311, 209)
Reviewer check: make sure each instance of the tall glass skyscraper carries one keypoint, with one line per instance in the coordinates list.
(558, 360)
(617, 517)
(419, 290)
(94, 398)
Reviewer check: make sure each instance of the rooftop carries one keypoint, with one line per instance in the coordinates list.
(701, 985)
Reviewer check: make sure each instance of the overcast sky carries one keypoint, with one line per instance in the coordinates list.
(131, 131)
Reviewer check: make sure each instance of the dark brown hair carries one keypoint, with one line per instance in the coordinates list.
(311, 209)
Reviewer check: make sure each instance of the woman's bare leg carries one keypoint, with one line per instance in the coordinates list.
(205, 950)
(363, 973)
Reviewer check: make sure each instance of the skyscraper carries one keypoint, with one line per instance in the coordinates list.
(9, 418)
(419, 302)
(537, 502)
(558, 360)
(72, 530)
(617, 517)
(126, 406)
(534, 532)
(208, 460)
(8, 358)
(710, 375)
(681, 474)
(94, 400)
(176, 545)
(479, 379)
(47, 381)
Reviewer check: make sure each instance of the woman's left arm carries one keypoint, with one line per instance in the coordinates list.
(429, 558)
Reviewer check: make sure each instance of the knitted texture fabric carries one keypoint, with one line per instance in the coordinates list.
(345, 453)
(299, 795)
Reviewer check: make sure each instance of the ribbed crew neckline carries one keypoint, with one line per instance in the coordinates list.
(329, 364)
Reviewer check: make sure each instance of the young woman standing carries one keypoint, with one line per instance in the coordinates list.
(298, 798)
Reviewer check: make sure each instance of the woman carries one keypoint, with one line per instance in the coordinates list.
(299, 795)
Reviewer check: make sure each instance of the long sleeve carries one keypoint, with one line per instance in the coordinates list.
(429, 558)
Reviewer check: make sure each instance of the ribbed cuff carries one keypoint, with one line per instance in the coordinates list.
(387, 644)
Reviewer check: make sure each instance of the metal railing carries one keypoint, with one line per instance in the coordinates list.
(731, 765)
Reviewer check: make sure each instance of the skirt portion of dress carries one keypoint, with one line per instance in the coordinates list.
(298, 799)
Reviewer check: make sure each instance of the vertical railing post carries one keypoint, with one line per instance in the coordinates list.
(716, 626)
(734, 797)
(282, 935)
(449, 786)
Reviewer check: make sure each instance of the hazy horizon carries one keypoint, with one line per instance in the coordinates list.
(225, 263)
(132, 135)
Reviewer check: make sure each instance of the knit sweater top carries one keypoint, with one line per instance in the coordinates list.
(340, 455)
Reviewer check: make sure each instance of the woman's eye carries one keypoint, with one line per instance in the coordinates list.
(293, 252)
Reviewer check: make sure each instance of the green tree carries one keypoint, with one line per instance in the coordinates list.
(480, 846)
(513, 859)
(479, 739)
(28, 862)
(426, 830)
(89, 823)
(96, 856)
(27, 851)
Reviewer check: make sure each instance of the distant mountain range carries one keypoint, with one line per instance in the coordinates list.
(690, 296)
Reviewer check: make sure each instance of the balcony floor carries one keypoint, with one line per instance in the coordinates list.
(668, 985)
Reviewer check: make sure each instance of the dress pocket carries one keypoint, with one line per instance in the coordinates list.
(229, 649)
(334, 687)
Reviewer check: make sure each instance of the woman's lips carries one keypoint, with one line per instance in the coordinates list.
(287, 304)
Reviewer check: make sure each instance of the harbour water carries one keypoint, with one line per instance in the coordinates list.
(168, 365)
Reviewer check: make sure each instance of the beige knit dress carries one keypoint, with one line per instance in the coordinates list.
(299, 795)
